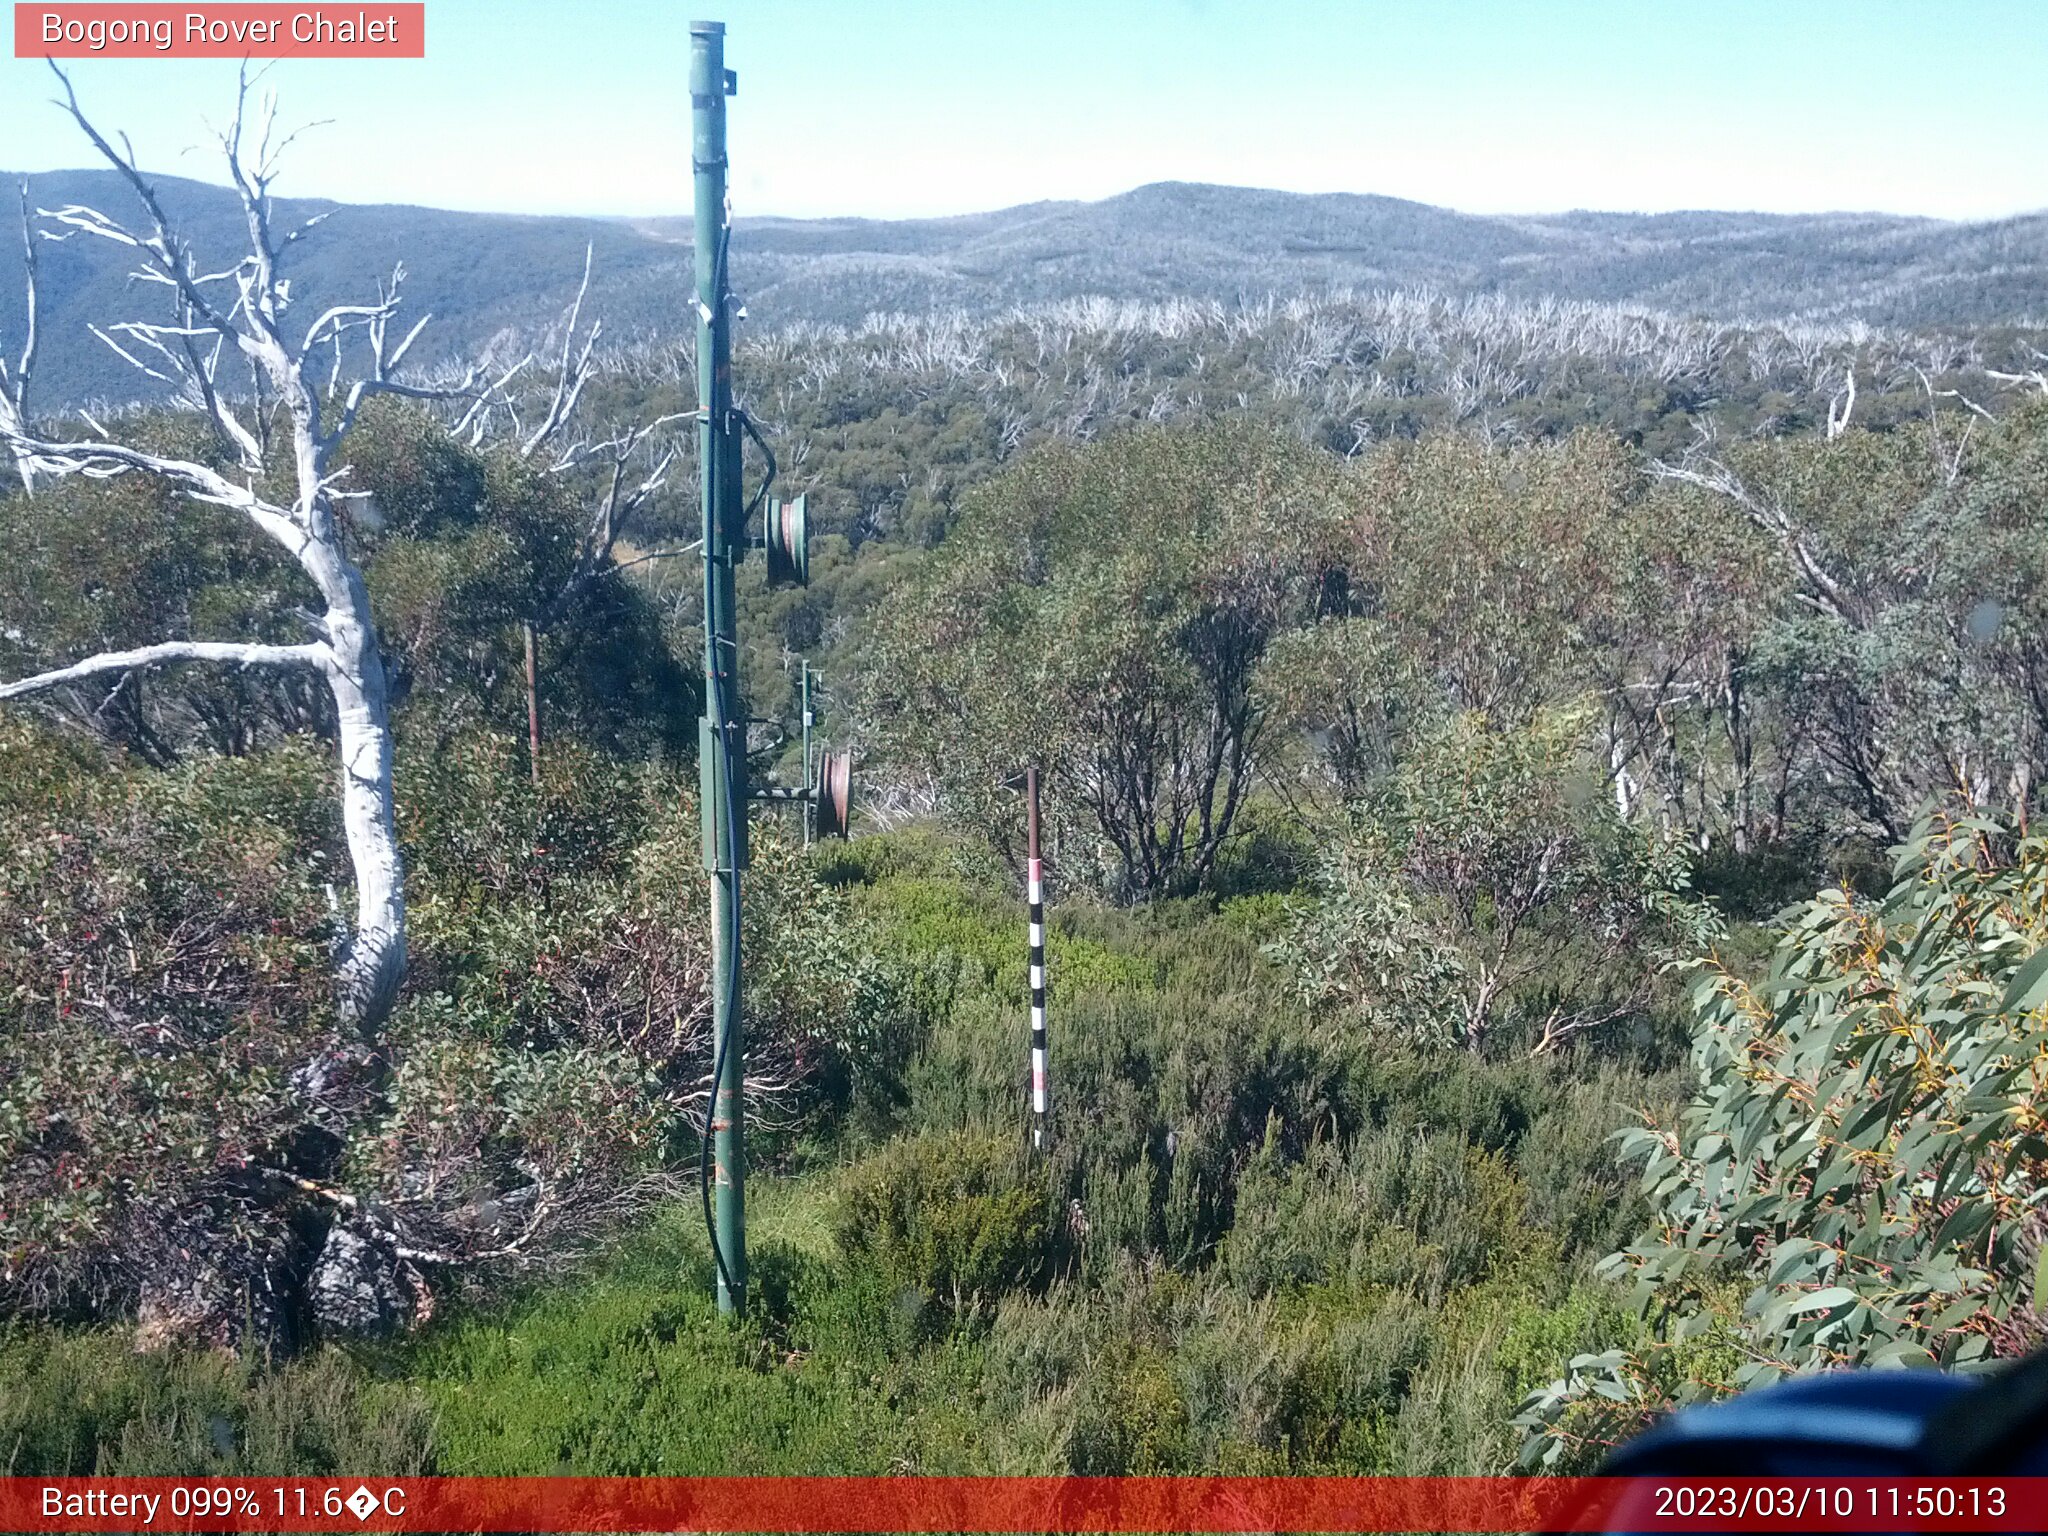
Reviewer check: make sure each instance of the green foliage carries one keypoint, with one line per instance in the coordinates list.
(1280, 1228)
(1102, 614)
(1159, 1373)
(87, 1404)
(1484, 563)
(979, 939)
(1853, 1182)
(1396, 1209)
(1792, 653)
(822, 1378)
(1483, 878)
(563, 963)
(1347, 684)
(1254, 1249)
(1878, 639)
(90, 565)
(163, 967)
(479, 833)
(461, 547)
(165, 954)
(960, 1218)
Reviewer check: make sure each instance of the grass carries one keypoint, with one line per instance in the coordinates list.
(1410, 1257)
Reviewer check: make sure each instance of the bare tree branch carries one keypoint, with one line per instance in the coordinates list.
(165, 257)
(100, 459)
(348, 656)
(14, 383)
(232, 652)
(572, 376)
(2035, 377)
(660, 554)
(1821, 588)
(1838, 420)
(1949, 459)
(617, 506)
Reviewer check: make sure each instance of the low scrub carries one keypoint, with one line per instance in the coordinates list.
(958, 1218)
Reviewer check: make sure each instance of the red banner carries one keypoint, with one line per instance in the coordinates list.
(1006, 1504)
(112, 31)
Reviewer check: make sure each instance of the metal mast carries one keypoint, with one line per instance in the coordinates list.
(721, 745)
(810, 812)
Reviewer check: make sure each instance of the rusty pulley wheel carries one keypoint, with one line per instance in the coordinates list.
(835, 794)
(788, 543)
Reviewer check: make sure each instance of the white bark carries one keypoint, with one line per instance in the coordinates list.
(1843, 406)
(251, 326)
(232, 652)
(14, 382)
(1820, 588)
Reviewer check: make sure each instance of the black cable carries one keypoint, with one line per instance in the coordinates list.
(732, 1003)
(732, 859)
(761, 493)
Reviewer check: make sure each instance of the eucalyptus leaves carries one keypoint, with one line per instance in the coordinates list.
(1858, 1177)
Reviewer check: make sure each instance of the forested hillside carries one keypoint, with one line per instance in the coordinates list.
(1548, 919)
(489, 278)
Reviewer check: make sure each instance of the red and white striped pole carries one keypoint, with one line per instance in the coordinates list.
(1035, 895)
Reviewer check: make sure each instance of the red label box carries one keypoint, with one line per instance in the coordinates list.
(374, 30)
(1099, 1506)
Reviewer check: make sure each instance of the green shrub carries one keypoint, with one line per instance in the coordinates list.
(1101, 612)
(165, 965)
(1855, 1179)
(1396, 1209)
(478, 832)
(1157, 1371)
(86, 1403)
(959, 1218)
(1486, 883)
(982, 937)
(909, 853)
(1271, 852)
(1131, 1419)
(822, 1376)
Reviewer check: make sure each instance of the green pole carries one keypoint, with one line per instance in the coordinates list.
(721, 758)
(810, 785)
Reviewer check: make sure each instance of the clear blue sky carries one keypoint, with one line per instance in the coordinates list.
(899, 107)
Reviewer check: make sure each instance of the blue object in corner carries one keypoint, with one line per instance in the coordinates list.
(1838, 1424)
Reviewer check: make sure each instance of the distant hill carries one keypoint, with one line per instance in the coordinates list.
(479, 275)
(486, 276)
(1177, 239)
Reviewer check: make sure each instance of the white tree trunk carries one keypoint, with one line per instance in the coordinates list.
(373, 963)
(14, 384)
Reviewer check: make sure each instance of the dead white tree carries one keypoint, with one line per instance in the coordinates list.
(630, 465)
(14, 382)
(2032, 378)
(1843, 405)
(622, 490)
(240, 313)
(1818, 586)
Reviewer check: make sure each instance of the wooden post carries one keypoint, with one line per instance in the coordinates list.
(1041, 1103)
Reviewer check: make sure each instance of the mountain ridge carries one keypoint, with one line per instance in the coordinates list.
(491, 276)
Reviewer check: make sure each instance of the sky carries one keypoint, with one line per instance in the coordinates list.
(899, 108)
